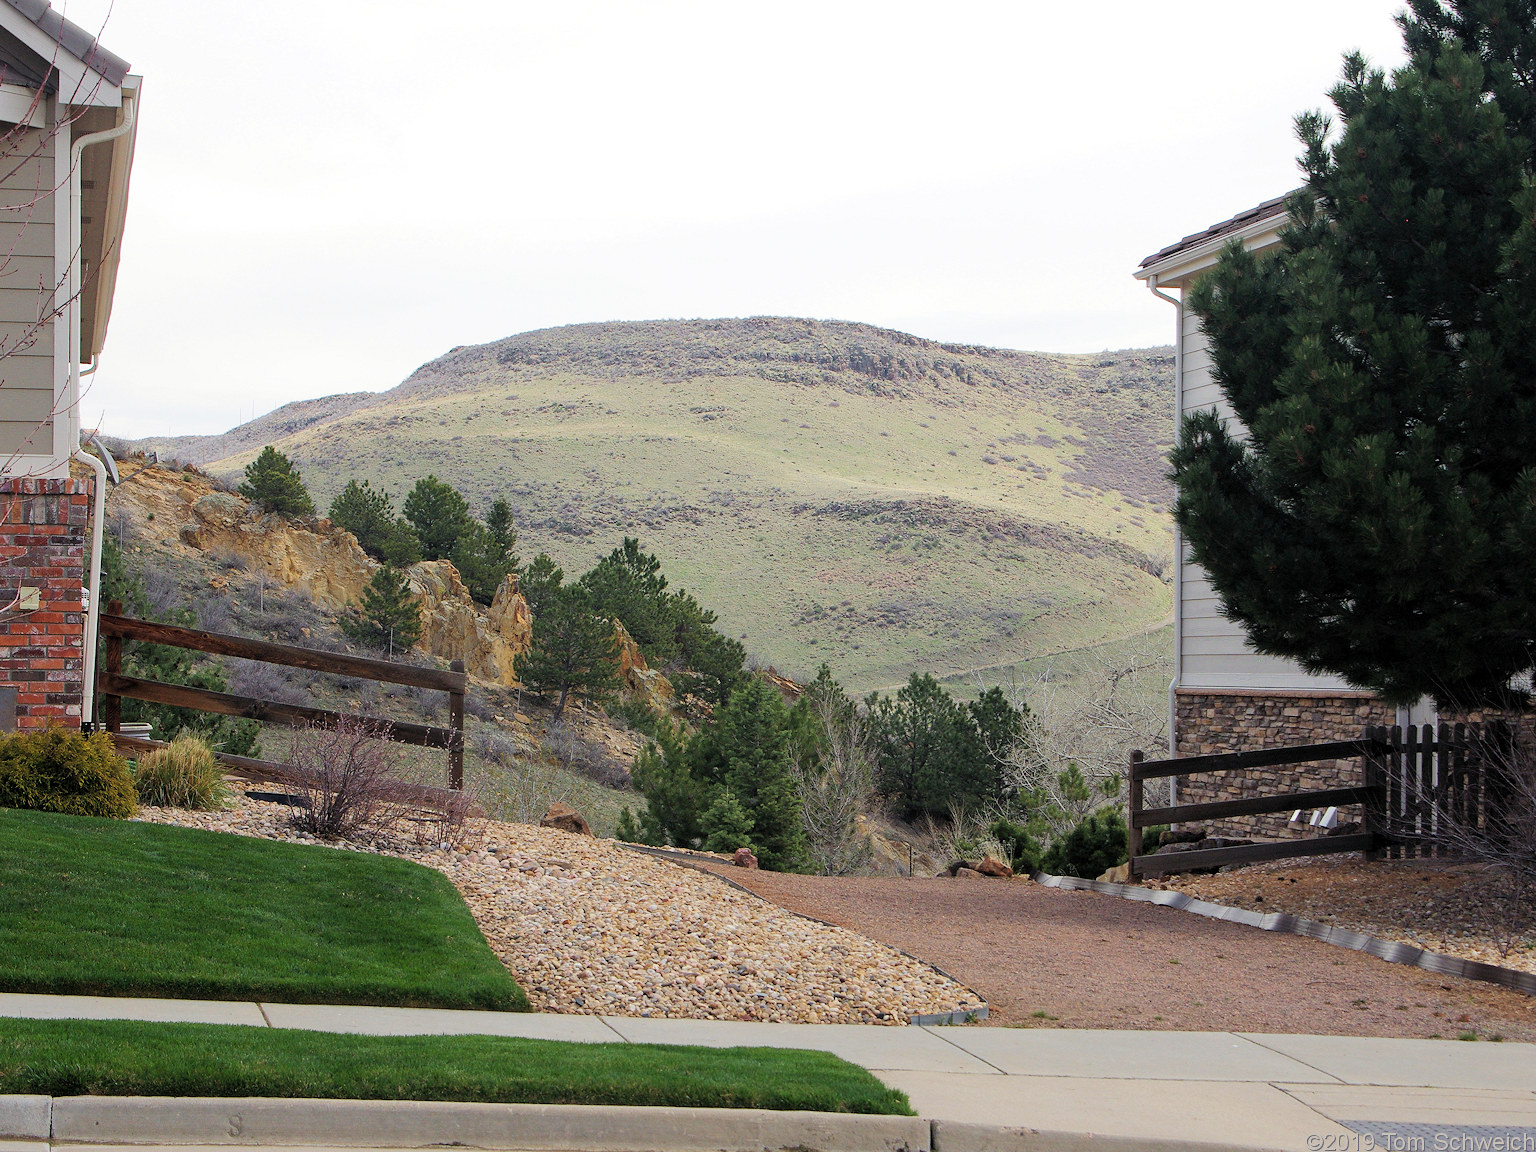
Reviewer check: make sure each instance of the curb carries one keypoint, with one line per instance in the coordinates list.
(1392, 951)
(257, 1122)
(683, 858)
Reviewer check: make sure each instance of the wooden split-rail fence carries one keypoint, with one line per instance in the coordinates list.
(1413, 781)
(112, 686)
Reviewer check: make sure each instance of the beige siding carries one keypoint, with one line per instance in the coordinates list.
(1215, 651)
(27, 280)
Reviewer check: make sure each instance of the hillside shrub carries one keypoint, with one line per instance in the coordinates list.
(348, 770)
(59, 770)
(1022, 848)
(274, 483)
(183, 774)
(1095, 846)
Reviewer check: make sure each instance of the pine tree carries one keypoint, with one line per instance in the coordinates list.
(574, 649)
(439, 515)
(273, 482)
(1381, 522)
(727, 825)
(628, 584)
(483, 553)
(388, 616)
(366, 513)
(400, 548)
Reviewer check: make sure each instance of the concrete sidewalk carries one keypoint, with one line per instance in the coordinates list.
(1232, 1090)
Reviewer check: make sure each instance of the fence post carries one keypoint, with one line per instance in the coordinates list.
(1133, 830)
(456, 741)
(112, 665)
(1375, 809)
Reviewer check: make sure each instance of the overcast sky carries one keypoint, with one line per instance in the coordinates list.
(326, 195)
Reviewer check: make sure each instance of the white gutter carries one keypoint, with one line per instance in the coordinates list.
(1178, 538)
(93, 612)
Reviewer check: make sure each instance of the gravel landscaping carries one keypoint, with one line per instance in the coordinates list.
(1438, 906)
(587, 926)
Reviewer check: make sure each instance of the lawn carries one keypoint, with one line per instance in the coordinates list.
(117, 908)
(128, 1058)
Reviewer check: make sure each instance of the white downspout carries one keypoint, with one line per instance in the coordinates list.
(1178, 539)
(93, 608)
(93, 612)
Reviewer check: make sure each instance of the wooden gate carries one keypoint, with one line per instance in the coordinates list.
(1432, 777)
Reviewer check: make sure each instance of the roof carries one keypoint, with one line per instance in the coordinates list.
(73, 39)
(1264, 211)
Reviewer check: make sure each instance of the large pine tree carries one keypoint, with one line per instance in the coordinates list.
(1380, 524)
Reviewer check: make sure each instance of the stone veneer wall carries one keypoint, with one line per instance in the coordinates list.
(42, 545)
(1234, 720)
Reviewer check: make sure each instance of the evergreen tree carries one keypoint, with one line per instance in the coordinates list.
(628, 584)
(1380, 524)
(538, 582)
(439, 515)
(929, 754)
(388, 616)
(676, 798)
(730, 826)
(483, 553)
(574, 648)
(747, 752)
(400, 548)
(710, 665)
(274, 483)
(366, 513)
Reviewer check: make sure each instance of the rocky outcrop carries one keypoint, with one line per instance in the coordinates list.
(314, 556)
(642, 682)
(307, 553)
(454, 627)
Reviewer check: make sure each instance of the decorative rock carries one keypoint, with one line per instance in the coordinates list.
(968, 874)
(566, 819)
(1121, 874)
(994, 867)
(618, 933)
(744, 858)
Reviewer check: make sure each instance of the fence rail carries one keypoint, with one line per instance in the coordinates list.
(1371, 794)
(112, 686)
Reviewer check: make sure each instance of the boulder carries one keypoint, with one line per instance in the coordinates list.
(1348, 828)
(1183, 836)
(955, 866)
(566, 819)
(994, 867)
(744, 858)
(1120, 874)
(968, 874)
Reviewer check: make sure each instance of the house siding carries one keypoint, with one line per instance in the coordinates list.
(28, 277)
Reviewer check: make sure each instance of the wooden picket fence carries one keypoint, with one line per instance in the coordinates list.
(1429, 775)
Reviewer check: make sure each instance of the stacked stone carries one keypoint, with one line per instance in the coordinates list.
(1230, 720)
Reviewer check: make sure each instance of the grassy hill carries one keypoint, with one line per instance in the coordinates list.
(834, 491)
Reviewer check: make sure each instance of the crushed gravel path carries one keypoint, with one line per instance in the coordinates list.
(1047, 957)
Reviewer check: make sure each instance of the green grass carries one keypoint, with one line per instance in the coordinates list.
(128, 1058)
(107, 907)
(835, 492)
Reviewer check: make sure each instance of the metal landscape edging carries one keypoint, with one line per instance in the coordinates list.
(684, 858)
(1392, 951)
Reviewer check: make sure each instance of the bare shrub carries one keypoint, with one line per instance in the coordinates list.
(1502, 838)
(836, 781)
(263, 681)
(477, 706)
(160, 589)
(214, 615)
(345, 774)
(591, 758)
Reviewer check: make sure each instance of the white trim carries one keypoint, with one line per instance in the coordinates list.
(20, 105)
(1173, 270)
(78, 84)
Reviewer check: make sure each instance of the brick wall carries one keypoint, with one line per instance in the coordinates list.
(42, 545)
(1242, 721)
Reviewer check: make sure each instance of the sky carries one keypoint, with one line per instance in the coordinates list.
(327, 195)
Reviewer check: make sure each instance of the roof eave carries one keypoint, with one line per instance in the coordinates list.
(1177, 267)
